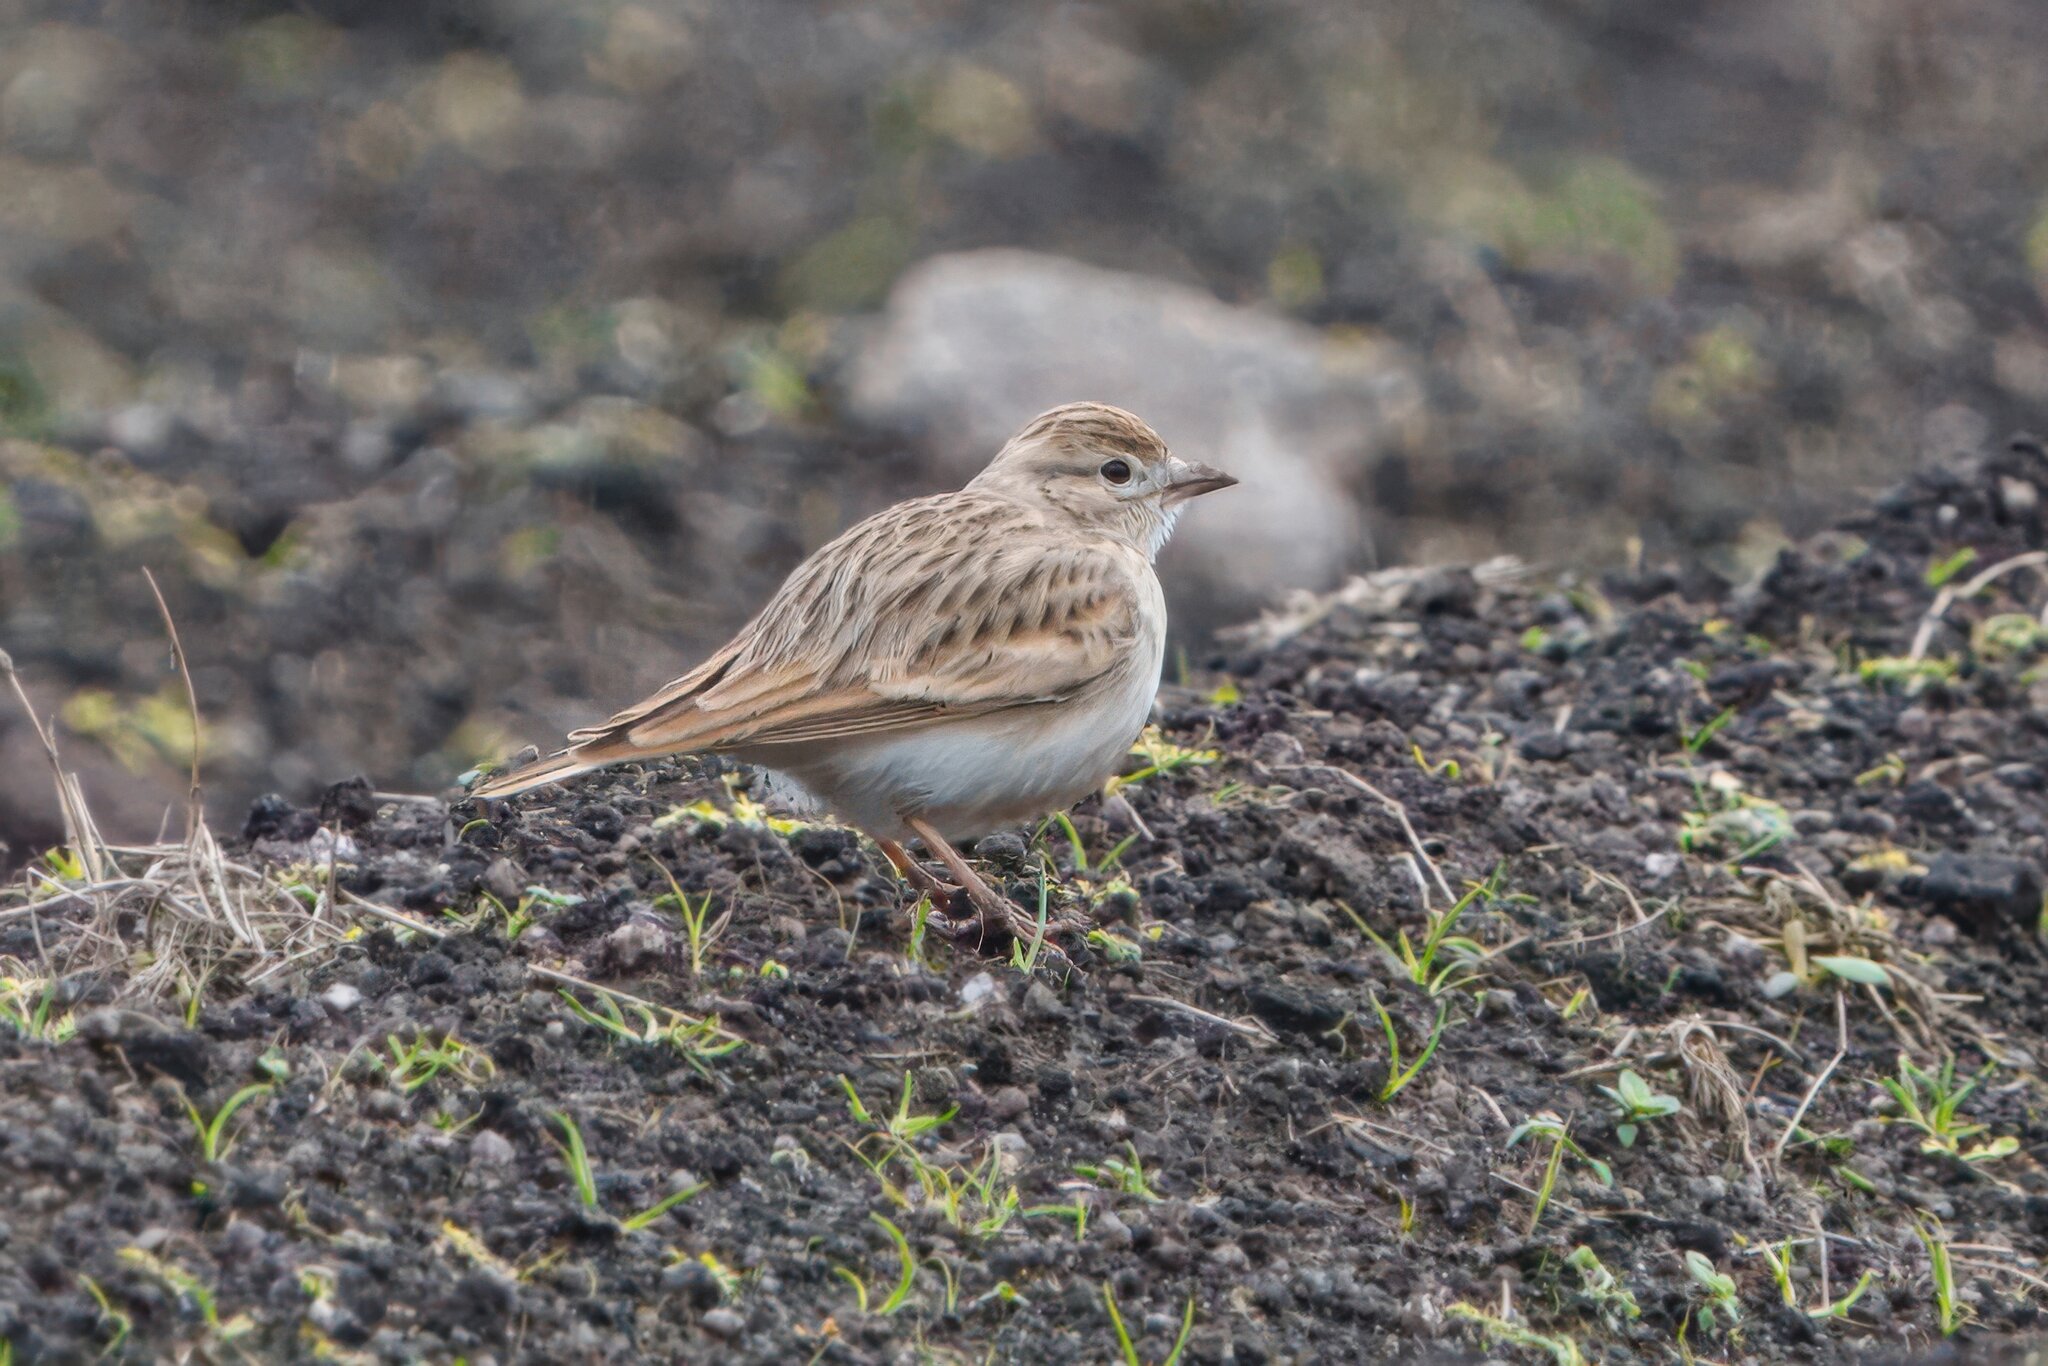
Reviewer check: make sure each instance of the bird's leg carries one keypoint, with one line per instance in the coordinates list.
(914, 873)
(993, 912)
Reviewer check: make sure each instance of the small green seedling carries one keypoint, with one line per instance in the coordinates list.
(1118, 1174)
(1928, 1102)
(1602, 1288)
(1942, 570)
(1548, 1125)
(1076, 1211)
(1851, 968)
(64, 865)
(518, 919)
(1161, 755)
(189, 1287)
(1398, 1077)
(1720, 1309)
(2008, 635)
(1907, 675)
(1700, 738)
(1949, 1312)
(1080, 850)
(699, 1041)
(1114, 947)
(959, 1193)
(1419, 965)
(1448, 769)
(32, 1011)
(1024, 957)
(1803, 969)
(1563, 1350)
(413, 1065)
(1129, 1349)
(121, 1323)
(901, 1126)
(577, 1158)
(698, 927)
(1779, 1259)
(1637, 1105)
(920, 925)
(906, 1276)
(213, 1140)
(1734, 825)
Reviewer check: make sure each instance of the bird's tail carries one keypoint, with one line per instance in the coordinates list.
(557, 767)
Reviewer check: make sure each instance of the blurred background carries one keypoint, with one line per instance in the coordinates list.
(465, 367)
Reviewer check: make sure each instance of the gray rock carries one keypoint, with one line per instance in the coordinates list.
(636, 944)
(724, 1323)
(502, 881)
(491, 1149)
(1041, 1004)
(974, 344)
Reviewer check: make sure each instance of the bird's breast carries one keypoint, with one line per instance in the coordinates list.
(974, 775)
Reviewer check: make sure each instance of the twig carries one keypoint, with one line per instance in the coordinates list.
(1999, 1268)
(395, 917)
(1258, 1032)
(193, 805)
(565, 980)
(1494, 1106)
(1820, 1242)
(1644, 923)
(545, 974)
(80, 832)
(1123, 803)
(1361, 1122)
(1553, 1202)
(1841, 1051)
(1929, 619)
(1400, 813)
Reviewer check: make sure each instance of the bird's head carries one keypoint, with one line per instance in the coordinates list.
(1104, 468)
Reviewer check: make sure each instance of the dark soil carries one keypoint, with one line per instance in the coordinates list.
(1559, 744)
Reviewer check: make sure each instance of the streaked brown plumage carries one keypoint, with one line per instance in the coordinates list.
(951, 663)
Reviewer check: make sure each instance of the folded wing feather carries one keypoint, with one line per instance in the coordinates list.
(937, 610)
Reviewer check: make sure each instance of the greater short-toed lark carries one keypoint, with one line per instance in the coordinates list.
(950, 664)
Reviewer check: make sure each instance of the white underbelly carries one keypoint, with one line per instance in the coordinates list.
(970, 777)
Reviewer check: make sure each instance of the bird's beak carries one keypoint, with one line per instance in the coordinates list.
(1187, 479)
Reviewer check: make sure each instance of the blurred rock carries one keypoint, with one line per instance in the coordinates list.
(463, 377)
(972, 345)
(56, 80)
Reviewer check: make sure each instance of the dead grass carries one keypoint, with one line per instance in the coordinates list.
(165, 920)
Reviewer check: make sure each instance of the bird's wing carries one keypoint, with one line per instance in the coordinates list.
(937, 609)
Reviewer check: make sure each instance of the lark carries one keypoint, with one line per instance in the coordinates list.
(951, 665)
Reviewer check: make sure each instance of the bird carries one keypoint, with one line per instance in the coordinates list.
(951, 665)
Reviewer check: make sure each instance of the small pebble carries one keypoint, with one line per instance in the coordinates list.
(1041, 1004)
(502, 880)
(341, 998)
(491, 1149)
(636, 944)
(1008, 1103)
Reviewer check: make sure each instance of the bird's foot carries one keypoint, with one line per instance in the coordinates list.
(996, 921)
(942, 895)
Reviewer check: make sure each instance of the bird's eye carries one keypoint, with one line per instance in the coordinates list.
(1117, 471)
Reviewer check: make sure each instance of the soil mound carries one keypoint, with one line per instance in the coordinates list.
(1709, 921)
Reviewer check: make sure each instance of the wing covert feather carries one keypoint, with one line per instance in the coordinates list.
(941, 608)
